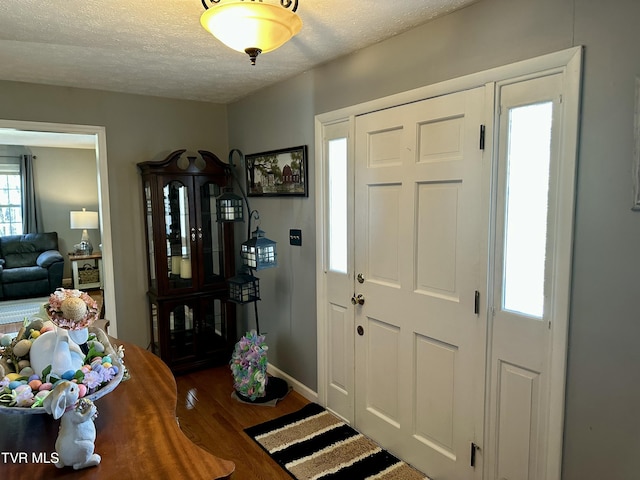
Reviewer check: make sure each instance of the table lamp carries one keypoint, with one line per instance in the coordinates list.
(82, 221)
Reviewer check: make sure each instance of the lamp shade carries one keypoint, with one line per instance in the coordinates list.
(247, 26)
(84, 220)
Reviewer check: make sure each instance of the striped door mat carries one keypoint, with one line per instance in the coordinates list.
(313, 444)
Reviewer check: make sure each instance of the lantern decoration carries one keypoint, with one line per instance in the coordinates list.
(229, 207)
(244, 287)
(259, 252)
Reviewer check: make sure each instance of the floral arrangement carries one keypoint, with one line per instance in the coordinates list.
(72, 309)
(249, 366)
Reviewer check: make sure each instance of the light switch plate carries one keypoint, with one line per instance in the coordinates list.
(295, 237)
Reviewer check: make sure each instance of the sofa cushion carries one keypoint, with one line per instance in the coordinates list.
(24, 274)
(23, 250)
(48, 258)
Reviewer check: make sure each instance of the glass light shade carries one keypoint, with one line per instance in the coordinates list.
(229, 207)
(251, 25)
(259, 252)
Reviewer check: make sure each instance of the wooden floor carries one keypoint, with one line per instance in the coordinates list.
(215, 421)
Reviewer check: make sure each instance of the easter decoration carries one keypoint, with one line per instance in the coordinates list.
(64, 348)
(249, 367)
(77, 434)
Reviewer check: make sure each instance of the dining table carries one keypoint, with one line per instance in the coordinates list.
(137, 433)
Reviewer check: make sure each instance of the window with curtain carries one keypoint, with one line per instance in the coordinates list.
(10, 197)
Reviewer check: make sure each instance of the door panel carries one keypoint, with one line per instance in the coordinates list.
(521, 342)
(418, 243)
(337, 272)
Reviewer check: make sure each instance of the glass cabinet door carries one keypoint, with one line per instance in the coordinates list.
(182, 332)
(213, 328)
(148, 210)
(177, 224)
(210, 233)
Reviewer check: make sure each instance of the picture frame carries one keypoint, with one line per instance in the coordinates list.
(278, 173)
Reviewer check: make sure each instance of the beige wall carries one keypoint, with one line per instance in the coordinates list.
(138, 129)
(66, 179)
(603, 391)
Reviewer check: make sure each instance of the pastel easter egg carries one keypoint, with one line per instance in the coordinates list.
(43, 394)
(5, 341)
(115, 369)
(36, 324)
(96, 360)
(106, 359)
(82, 390)
(35, 384)
(45, 386)
(15, 384)
(68, 375)
(85, 369)
(35, 334)
(21, 348)
(106, 365)
(34, 377)
(97, 346)
(26, 372)
(23, 363)
(22, 387)
(46, 328)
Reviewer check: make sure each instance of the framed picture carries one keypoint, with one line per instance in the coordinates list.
(278, 173)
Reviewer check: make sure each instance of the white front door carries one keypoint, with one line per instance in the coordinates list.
(421, 255)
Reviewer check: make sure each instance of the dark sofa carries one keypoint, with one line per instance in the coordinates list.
(30, 265)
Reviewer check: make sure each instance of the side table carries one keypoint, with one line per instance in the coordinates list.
(86, 270)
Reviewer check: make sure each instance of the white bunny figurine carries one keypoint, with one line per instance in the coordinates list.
(77, 432)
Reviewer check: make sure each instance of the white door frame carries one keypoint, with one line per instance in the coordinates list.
(569, 63)
(100, 134)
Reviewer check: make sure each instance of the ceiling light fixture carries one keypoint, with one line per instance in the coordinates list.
(251, 26)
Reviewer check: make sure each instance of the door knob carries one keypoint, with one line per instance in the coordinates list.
(357, 299)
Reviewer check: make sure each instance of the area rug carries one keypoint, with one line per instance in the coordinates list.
(313, 444)
(12, 311)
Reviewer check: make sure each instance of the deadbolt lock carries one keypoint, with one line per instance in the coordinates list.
(360, 278)
(357, 299)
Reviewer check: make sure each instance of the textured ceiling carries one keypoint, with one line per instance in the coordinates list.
(159, 48)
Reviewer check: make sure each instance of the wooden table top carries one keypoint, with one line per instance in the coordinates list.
(137, 433)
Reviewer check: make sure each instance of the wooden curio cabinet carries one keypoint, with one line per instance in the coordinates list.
(189, 256)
